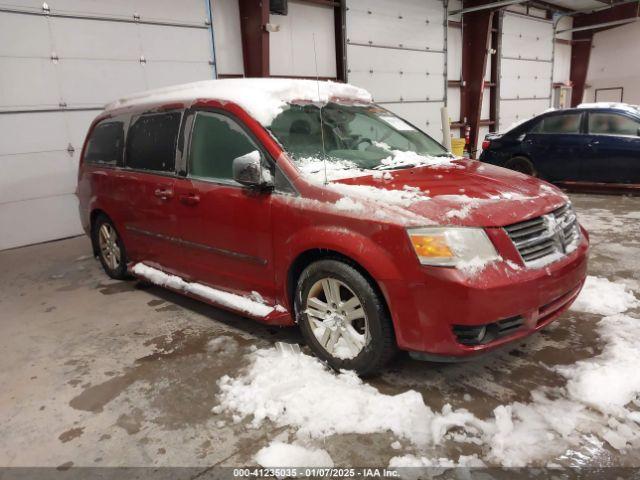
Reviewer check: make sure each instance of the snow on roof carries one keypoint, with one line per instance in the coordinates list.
(262, 98)
(615, 105)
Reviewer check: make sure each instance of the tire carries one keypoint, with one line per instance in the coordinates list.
(522, 165)
(108, 244)
(331, 335)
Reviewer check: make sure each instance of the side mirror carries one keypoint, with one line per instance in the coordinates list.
(248, 170)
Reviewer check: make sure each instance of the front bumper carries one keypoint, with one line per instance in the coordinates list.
(426, 310)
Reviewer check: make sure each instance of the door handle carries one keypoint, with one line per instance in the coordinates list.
(163, 193)
(190, 199)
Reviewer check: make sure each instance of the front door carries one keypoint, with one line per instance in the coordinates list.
(613, 151)
(225, 227)
(555, 145)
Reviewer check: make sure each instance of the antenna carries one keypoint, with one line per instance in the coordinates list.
(324, 153)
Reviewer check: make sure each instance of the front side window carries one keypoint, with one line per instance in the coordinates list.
(565, 123)
(364, 136)
(106, 143)
(216, 141)
(151, 144)
(613, 124)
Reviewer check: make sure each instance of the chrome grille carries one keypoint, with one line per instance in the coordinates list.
(544, 239)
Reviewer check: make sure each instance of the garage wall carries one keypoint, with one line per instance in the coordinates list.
(228, 40)
(57, 69)
(614, 63)
(396, 50)
(526, 68)
(292, 47)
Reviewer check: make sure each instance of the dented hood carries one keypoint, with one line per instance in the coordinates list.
(466, 193)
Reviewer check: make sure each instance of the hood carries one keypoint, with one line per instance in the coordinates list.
(463, 192)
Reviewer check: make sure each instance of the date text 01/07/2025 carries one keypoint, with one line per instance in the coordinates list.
(315, 472)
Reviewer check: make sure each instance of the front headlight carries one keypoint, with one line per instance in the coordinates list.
(452, 246)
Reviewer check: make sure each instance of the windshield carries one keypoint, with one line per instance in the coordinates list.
(354, 136)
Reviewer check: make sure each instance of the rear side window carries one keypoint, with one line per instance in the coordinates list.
(613, 124)
(215, 142)
(151, 143)
(106, 143)
(566, 123)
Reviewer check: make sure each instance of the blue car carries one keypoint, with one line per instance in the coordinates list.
(592, 147)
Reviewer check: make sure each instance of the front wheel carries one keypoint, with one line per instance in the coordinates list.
(343, 318)
(110, 248)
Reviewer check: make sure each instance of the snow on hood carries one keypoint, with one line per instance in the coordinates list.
(468, 193)
(263, 98)
(317, 169)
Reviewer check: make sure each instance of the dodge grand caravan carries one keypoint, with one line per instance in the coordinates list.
(294, 201)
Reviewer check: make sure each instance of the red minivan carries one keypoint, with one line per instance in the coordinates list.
(295, 201)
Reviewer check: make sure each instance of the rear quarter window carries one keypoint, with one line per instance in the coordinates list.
(151, 143)
(106, 143)
(603, 123)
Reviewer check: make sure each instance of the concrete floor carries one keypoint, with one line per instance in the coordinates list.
(97, 372)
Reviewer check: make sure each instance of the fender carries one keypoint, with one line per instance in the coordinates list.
(356, 246)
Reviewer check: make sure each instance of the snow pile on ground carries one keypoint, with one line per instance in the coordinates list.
(604, 297)
(299, 391)
(219, 297)
(264, 98)
(609, 381)
(285, 455)
(599, 404)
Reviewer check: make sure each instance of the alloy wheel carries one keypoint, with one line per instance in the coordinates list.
(109, 248)
(337, 318)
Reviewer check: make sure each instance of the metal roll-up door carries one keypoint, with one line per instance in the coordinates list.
(60, 62)
(525, 68)
(397, 51)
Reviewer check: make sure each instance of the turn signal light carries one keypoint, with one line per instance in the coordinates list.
(434, 246)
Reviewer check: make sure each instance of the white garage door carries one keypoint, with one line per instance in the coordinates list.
(526, 68)
(396, 50)
(60, 62)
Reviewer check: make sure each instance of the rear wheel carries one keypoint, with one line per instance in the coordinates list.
(522, 165)
(342, 317)
(108, 244)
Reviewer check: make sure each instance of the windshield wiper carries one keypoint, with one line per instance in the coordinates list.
(395, 167)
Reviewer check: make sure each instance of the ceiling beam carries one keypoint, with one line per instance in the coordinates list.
(613, 23)
(486, 6)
